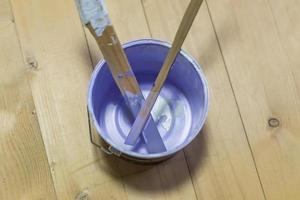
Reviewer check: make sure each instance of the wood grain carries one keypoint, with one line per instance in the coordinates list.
(56, 43)
(260, 43)
(5, 11)
(51, 35)
(168, 180)
(24, 170)
(219, 159)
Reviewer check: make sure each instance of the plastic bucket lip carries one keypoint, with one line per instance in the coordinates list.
(168, 153)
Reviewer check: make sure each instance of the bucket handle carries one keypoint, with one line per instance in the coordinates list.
(109, 150)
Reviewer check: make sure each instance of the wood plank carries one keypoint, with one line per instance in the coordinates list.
(219, 159)
(24, 170)
(287, 25)
(56, 43)
(52, 39)
(5, 11)
(260, 42)
(164, 181)
(168, 180)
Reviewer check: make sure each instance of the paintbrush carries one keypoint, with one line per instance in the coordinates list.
(180, 36)
(94, 15)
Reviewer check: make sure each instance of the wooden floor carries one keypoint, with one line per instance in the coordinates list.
(248, 149)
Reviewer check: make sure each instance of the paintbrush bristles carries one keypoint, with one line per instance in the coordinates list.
(94, 13)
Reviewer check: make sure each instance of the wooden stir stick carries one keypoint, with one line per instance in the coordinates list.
(180, 36)
(95, 17)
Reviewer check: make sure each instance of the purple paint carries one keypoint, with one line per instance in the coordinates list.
(180, 110)
(151, 136)
(126, 74)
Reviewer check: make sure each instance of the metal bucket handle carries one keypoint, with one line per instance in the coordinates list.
(111, 151)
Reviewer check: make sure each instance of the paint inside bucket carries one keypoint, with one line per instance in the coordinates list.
(179, 111)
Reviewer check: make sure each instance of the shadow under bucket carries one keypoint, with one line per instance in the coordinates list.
(179, 112)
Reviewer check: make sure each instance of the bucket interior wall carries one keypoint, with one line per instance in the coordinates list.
(179, 111)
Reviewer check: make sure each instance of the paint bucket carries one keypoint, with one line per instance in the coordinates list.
(179, 112)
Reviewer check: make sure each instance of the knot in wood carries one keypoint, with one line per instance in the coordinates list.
(273, 122)
(82, 196)
(32, 62)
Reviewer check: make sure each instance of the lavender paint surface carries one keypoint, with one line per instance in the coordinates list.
(180, 110)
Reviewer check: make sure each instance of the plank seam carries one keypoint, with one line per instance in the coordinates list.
(146, 18)
(189, 170)
(235, 99)
(283, 48)
(28, 82)
(124, 187)
(184, 155)
(90, 55)
(92, 68)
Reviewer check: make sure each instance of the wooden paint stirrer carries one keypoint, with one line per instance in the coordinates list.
(95, 17)
(180, 36)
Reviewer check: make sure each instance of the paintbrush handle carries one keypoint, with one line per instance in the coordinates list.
(115, 57)
(180, 36)
(95, 17)
(124, 77)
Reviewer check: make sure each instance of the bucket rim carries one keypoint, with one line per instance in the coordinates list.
(201, 75)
